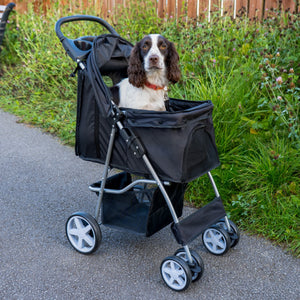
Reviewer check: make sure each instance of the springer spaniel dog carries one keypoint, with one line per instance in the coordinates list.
(153, 65)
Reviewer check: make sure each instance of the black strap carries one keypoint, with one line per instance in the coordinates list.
(73, 74)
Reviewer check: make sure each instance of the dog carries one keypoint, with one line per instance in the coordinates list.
(153, 65)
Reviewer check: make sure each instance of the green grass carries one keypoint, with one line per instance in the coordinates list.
(250, 70)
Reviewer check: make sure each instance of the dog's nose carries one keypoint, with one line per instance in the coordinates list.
(154, 59)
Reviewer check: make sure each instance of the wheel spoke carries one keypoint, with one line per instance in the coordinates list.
(168, 271)
(180, 271)
(73, 231)
(89, 240)
(220, 243)
(80, 243)
(81, 234)
(215, 247)
(86, 229)
(209, 239)
(78, 223)
(173, 266)
(218, 240)
(180, 280)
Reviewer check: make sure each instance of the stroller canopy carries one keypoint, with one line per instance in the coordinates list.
(109, 57)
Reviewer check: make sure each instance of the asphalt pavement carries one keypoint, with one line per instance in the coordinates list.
(42, 183)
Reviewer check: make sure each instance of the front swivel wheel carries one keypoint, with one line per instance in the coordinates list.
(176, 273)
(197, 268)
(234, 232)
(83, 232)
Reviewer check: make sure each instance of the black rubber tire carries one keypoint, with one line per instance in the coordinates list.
(184, 278)
(210, 242)
(83, 232)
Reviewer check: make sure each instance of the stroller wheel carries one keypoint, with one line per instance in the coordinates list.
(176, 273)
(216, 240)
(198, 268)
(234, 234)
(83, 232)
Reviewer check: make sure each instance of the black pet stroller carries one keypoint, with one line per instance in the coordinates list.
(158, 153)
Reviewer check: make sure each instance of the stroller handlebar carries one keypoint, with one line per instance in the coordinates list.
(78, 49)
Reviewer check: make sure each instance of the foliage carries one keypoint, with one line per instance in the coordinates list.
(249, 69)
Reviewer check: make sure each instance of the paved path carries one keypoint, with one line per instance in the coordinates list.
(42, 183)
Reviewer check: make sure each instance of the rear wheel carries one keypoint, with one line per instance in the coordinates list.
(216, 240)
(83, 232)
(176, 273)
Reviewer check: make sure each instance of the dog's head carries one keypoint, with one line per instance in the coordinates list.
(154, 55)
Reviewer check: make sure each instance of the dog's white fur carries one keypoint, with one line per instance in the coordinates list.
(141, 98)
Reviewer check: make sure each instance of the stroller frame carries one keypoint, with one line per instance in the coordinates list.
(86, 237)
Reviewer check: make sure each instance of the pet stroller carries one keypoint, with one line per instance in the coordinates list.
(158, 153)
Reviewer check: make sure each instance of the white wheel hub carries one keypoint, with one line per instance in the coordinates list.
(81, 234)
(214, 240)
(174, 275)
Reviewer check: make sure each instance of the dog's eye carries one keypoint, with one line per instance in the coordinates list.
(145, 47)
(163, 47)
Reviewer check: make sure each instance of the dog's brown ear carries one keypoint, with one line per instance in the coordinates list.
(172, 60)
(136, 73)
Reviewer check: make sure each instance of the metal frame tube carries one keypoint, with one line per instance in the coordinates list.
(162, 189)
(227, 224)
(213, 184)
(127, 188)
(169, 203)
(105, 172)
(218, 195)
(188, 254)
